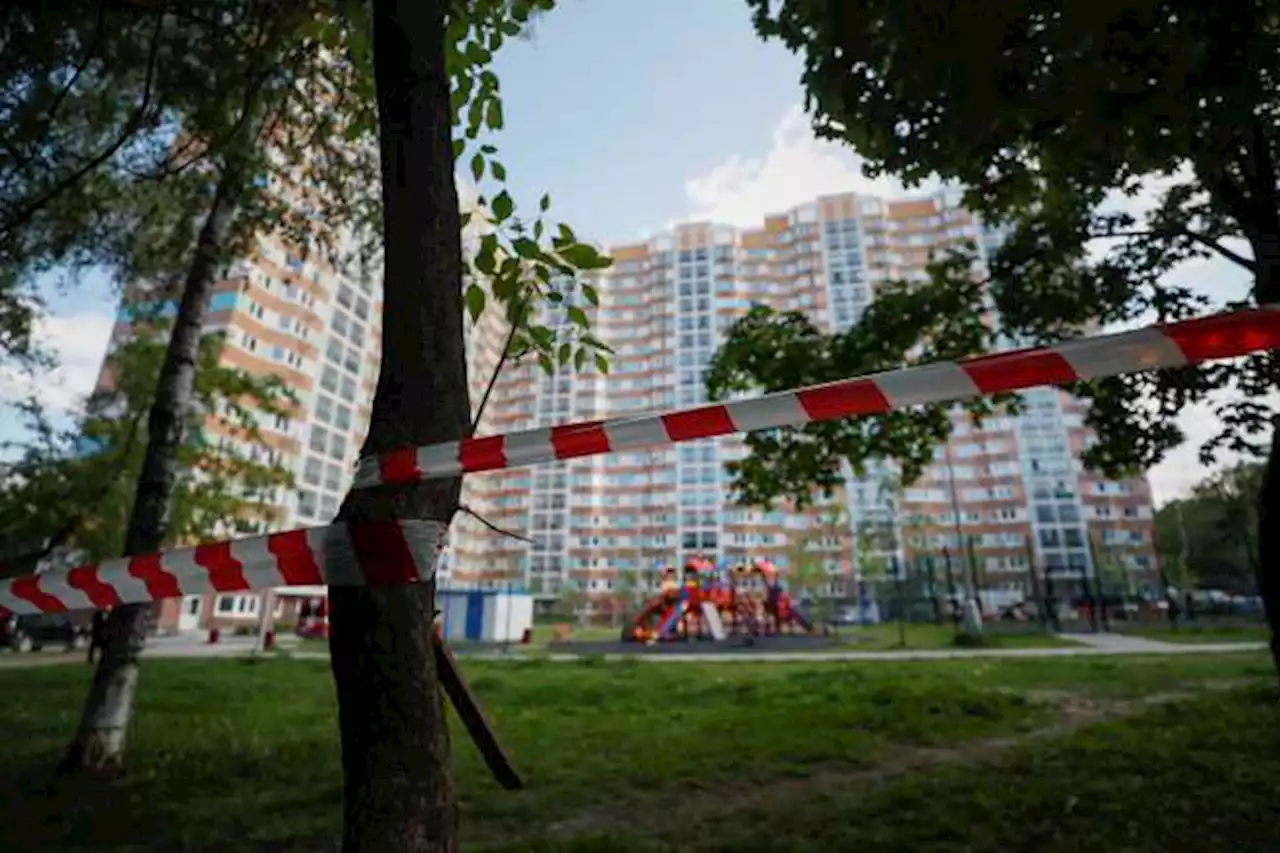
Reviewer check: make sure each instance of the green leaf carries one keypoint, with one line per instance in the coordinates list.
(493, 116)
(503, 206)
(590, 294)
(544, 203)
(499, 171)
(475, 298)
(527, 249)
(542, 336)
(602, 363)
(486, 257)
(579, 359)
(577, 316)
(548, 366)
(477, 167)
(584, 257)
(566, 352)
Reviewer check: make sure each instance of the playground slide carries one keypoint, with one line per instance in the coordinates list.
(669, 619)
(712, 615)
(801, 618)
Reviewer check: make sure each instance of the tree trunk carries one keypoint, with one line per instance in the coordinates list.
(100, 740)
(1268, 575)
(397, 790)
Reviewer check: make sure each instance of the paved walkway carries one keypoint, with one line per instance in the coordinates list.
(1151, 648)
(1085, 645)
(1125, 644)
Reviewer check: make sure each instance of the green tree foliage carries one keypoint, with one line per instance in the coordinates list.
(68, 495)
(1042, 114)
(908, 324)
(1045, 114)
(1209, 538)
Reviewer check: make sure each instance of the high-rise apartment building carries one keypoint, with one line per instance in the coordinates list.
(663, 307)
(997, 494)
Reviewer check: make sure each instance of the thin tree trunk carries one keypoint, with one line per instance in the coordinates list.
(397, 790)
(1266, 253)
(1268, 576)
(100, 740)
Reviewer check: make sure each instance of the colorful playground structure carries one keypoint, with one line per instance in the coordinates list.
(712, 603)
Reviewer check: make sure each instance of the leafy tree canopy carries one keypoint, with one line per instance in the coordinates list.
(1043, 113)
(1209, 538)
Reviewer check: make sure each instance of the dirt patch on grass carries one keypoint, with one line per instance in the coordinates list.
(664, 813)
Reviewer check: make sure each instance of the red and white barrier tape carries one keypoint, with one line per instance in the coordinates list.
(364, 553)
(387, 553)
(1169, 345)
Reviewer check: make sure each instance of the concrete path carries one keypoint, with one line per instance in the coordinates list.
(1086, 645)
(1122, 643)
(1153, 648)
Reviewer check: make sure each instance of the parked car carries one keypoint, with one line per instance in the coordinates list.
(35, 631)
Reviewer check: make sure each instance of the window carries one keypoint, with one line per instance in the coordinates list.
(338, 446)
(311, 471)
(339, 324)
(237, 606)
(342, 419)
(324, 409)
(306, 503)
(332, 477)
(345, 296)
(362, 308)
(329, 379)
(348, 389)
(319, 439)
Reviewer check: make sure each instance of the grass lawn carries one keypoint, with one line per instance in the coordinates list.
(1207, 633)
(238, 755)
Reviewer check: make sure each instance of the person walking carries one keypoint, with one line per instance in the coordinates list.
(97, 634)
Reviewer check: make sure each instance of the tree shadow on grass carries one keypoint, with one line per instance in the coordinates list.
(200, 800)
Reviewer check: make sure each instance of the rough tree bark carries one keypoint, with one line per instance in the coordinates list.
(100, 739)
(1267, 290)
(397, 791)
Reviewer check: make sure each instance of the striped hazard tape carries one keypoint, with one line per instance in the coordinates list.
(364, 553)
(1169, 345)
(401, 552)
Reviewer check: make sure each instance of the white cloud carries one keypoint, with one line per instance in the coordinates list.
(79, 341)
(797, 167)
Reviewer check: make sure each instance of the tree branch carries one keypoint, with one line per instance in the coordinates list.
(136, 121)
(493, 379)
(489, 524)
(1204, 241)
(99, 29)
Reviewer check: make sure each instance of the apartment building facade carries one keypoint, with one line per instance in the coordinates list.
(1000, 495)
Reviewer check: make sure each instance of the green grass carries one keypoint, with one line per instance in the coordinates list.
(1207, 633)
(233, 755)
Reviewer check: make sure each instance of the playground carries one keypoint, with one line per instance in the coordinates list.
(1056, 755)
(746, 603)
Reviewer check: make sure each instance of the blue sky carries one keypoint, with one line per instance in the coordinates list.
(632, 114)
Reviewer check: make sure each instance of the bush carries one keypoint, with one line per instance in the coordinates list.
(972, 641)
